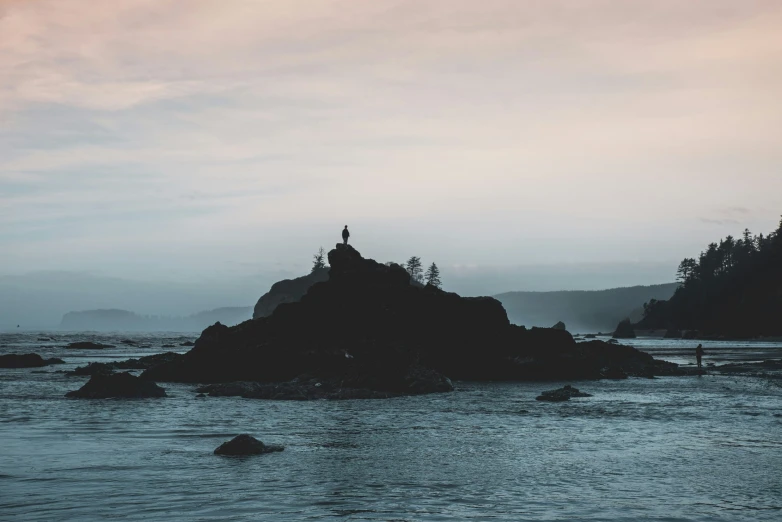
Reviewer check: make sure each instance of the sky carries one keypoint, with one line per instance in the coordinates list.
(185, 141)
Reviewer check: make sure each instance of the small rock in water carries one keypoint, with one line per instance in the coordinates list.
(86, 345)
(26, 360)
(117, 385)
(187, 343)
(245, 445)
(562, 394)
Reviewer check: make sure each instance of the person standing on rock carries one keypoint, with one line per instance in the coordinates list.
(699, 355)
(345, 235)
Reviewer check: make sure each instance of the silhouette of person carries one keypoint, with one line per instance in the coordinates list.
(345, 234)
(699, 354)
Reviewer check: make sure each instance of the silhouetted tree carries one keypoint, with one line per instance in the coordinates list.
(319, 260)
(415, 269)
(686, 270)
(432, 276)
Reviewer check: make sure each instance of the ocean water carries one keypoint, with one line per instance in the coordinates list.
(686, 448)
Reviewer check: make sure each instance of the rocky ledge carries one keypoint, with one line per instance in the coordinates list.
(246, 445)
(367, 331)
(142, 363)
(117, 385)
(26, 360)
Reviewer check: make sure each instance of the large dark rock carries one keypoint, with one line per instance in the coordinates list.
(561, 394)
(26, 360)
(87, 345)
(117, 385)
(245, 445)
(559, 326)
(368, 328)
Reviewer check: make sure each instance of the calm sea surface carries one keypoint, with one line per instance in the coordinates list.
(687, 448)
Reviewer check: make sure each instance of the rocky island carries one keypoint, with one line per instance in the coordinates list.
(367, 332)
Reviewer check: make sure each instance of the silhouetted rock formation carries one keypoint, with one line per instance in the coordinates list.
(559, 326)
(368, 328)
(117, 385)
(624, 330)
(245, 445)
(561, 394)
(26, 360)
(288, 291)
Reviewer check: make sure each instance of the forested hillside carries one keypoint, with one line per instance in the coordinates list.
(582, 311)
(733, 289)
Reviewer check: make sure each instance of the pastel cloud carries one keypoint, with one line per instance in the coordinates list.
(559, 122)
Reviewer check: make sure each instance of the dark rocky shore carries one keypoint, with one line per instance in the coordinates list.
(366, 332)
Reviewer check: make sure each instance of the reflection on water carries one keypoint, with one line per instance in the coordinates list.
(707, 448)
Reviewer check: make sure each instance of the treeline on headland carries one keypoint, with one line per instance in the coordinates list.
(733, 289)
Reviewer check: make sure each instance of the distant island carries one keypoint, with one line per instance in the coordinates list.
(107, 320)
(582, 311)
(733, 289)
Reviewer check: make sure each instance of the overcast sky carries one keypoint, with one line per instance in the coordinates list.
(177, 139)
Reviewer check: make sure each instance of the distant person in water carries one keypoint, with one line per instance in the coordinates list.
(345, 235)
(699, 355)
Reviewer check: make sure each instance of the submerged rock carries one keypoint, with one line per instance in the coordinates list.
(117, 385)
(87, 345)
(26, 360)
(561, 394)
(94, 368)
(245, 445)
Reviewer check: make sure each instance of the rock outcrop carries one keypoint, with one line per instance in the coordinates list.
(26, 360)
(246, 445)
(368, 328)
(559, 326)
(117, 385)
(288, 291)
(624, 330)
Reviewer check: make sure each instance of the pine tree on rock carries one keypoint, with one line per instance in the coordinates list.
(432, 276)
(415, 269)
(319, 260)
